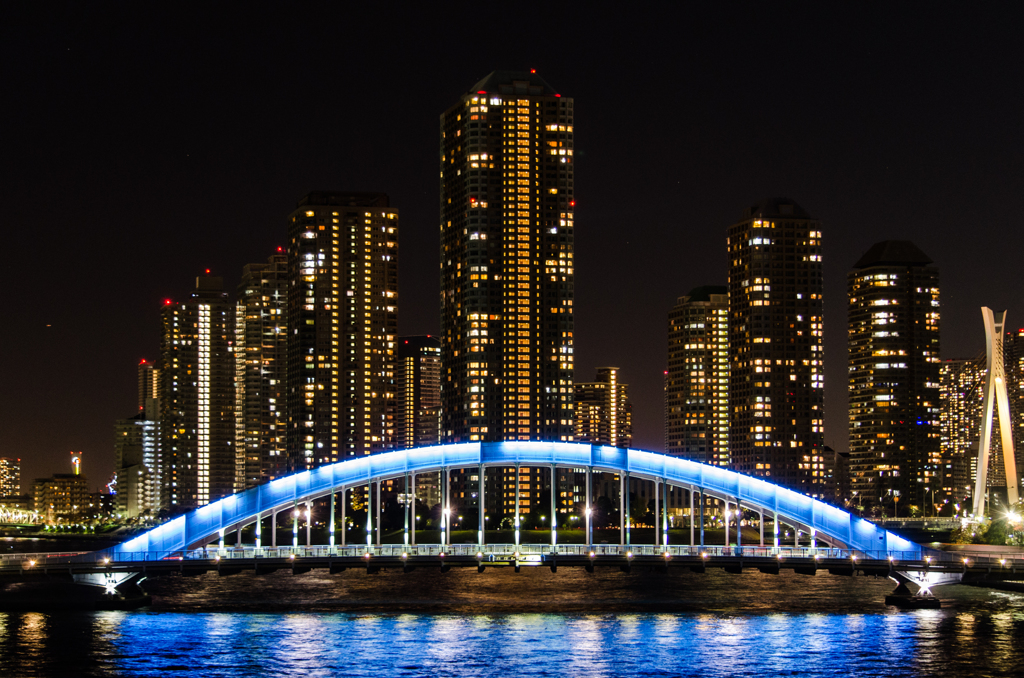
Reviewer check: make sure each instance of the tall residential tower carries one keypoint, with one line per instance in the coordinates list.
(342, 322)
(507, 262)
(261, 361)
(895, 430)
(776, 375)
(196, 456)
(417, 391)
(697, 380)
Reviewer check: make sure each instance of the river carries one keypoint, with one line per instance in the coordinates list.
(536, 623)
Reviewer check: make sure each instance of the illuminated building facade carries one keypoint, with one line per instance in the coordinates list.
(10, 477)
(507, 262)
(894, 417)
(135, 446)
(196, 456)
(417, 391)
(342, 320)
(63, 497)
(697, 379)
(604, 415)
(1013, 356)
(149, 382)
(960, 399)
(776, 375)
(261, 361)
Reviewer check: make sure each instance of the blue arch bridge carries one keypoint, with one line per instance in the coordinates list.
(823, 537)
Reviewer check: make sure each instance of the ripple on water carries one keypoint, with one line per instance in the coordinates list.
(533, 624)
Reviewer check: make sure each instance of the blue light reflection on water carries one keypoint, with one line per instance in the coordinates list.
(536, 623)
(643, 644)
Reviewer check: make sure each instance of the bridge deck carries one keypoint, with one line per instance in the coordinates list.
(305, 558)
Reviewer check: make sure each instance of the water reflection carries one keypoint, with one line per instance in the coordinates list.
(476, 634)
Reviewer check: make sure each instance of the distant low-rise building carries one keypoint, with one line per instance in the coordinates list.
(63, 497)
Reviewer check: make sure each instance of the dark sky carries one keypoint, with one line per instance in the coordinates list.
(140, 147)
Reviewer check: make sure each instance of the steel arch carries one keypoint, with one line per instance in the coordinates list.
(790, 507)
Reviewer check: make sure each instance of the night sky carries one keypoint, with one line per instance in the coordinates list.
(140, 148)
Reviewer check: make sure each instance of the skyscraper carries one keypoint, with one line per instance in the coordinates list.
(10, 477)
(507, 262)
(196, 456)
(417, 391)
(776, 376)
(149, 382)
(697, 380)
(1013, 356)
(604, 415)
(342, 322)
(261, 361)
(894, 417)
(960, 399)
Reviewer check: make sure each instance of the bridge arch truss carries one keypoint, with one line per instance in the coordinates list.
(210, 522)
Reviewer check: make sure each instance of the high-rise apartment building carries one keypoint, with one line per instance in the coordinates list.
(261, 361)
(776, 375)
(342, 322)
(1013, 361)
(417, 391)
(604, 415)
(893, 339)
(149, 382)
(961, 393)
(196, 456)
(507, 262)
(135, 447)
(10, 477)
(697, 379)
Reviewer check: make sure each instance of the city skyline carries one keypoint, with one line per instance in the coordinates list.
(870, 173)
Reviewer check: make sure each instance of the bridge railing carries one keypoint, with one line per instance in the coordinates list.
(497, 552)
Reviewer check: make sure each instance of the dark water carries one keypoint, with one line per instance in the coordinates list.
(536, 623)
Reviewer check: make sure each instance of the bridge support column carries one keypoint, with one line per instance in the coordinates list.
(775, 528)
(238, 534)
(309, 522)
(273, 528)
(626, 484)
(725, 520)
(814, 538)
(739, 524)
(517, 508)
(666, 489)
(445, 507)
(481, 505)
(760, 524)
(221, 545)
(657, 514)
(590, 535)
(796, 537)
(344, 521)
(554, 507)
(412, 522)
(410, 504)
(259, 531)
(701, 497)
(331, 527)
(295, 523)
(693, 518)
(380, 504)
(369, 516)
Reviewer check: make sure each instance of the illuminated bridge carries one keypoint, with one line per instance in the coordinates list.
(197, 542)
